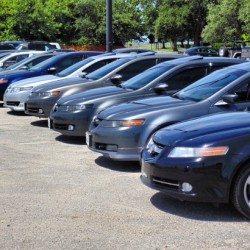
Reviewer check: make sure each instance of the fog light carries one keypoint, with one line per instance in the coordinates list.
(186, 187)
(112, 148)
(40, 111)
(71, 127)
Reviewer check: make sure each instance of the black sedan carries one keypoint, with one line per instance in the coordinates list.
(205, 159)
(120, 132)
(72, 114)
(43, 98)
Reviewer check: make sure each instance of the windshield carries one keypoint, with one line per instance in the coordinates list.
(145, 77)
(209, 85)
(74, 67)
(101, 72)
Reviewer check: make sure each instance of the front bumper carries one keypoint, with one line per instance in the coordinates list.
(204, 175)
(40, 107)
(116, 143)
(15, 101)
(71, 123)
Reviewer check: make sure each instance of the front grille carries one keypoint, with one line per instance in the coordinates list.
(60, 126)
(166, 183)
(33, 110)
(13, 103)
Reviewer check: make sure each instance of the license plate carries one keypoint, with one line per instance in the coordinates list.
(88, 139)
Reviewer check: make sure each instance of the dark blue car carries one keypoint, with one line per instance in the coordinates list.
(206, 159)
(51, 66)
(200, 50)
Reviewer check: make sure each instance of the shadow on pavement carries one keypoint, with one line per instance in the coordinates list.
(71, 139)
(195, 210)
(121, 166)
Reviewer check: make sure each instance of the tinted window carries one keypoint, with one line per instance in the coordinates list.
(209, 85)
(185, 77)
(74, 67)
(135, 68)
(65, 63)
(99, 73)
(145, 77)
(242, 91)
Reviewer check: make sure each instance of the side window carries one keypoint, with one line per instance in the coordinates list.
(136, 68)
(65, 63)
(21, 57)
(183, 78)
(242, 91)
(216, 67)
(37, 60)
(98, 65)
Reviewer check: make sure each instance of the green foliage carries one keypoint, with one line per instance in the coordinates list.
(83, 22)
(233, 21)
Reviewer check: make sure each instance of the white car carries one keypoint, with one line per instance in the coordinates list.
(16, 56)
(17, 92)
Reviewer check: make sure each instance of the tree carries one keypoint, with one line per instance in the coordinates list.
(172, 21)
(90, 21)
(228, 26)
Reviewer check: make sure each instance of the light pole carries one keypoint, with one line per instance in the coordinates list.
(109, 39)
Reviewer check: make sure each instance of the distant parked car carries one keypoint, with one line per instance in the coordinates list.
(16, 94)
(163, 79)
(4, 46)
(29, 62)
(36, 45)
(200, 50)
(204, 159)
(43, 98)
(51, 66)
(16, 57)
(120, 132)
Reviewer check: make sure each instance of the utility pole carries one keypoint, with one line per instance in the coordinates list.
(109, 39)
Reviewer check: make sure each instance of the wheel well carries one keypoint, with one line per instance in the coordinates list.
(239, 168)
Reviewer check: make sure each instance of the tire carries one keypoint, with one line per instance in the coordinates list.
(241, 191)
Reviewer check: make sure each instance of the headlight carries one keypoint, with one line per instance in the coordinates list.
(46, 94)
(123, 123)
(182, 152)
(3, 81)
(20, 89)
(70, 108)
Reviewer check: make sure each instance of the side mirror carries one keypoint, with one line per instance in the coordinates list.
(116, 79)
(161, 87)
(52, 70)
(228, 99)
(82, 74)
(24, 68)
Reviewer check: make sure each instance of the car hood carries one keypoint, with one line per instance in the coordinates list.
(34, 81)
(141, 107)
(193, 131)
(91, 95)
(16, 73)
(54, 84)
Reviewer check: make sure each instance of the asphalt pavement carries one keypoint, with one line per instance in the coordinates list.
(56, 194)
